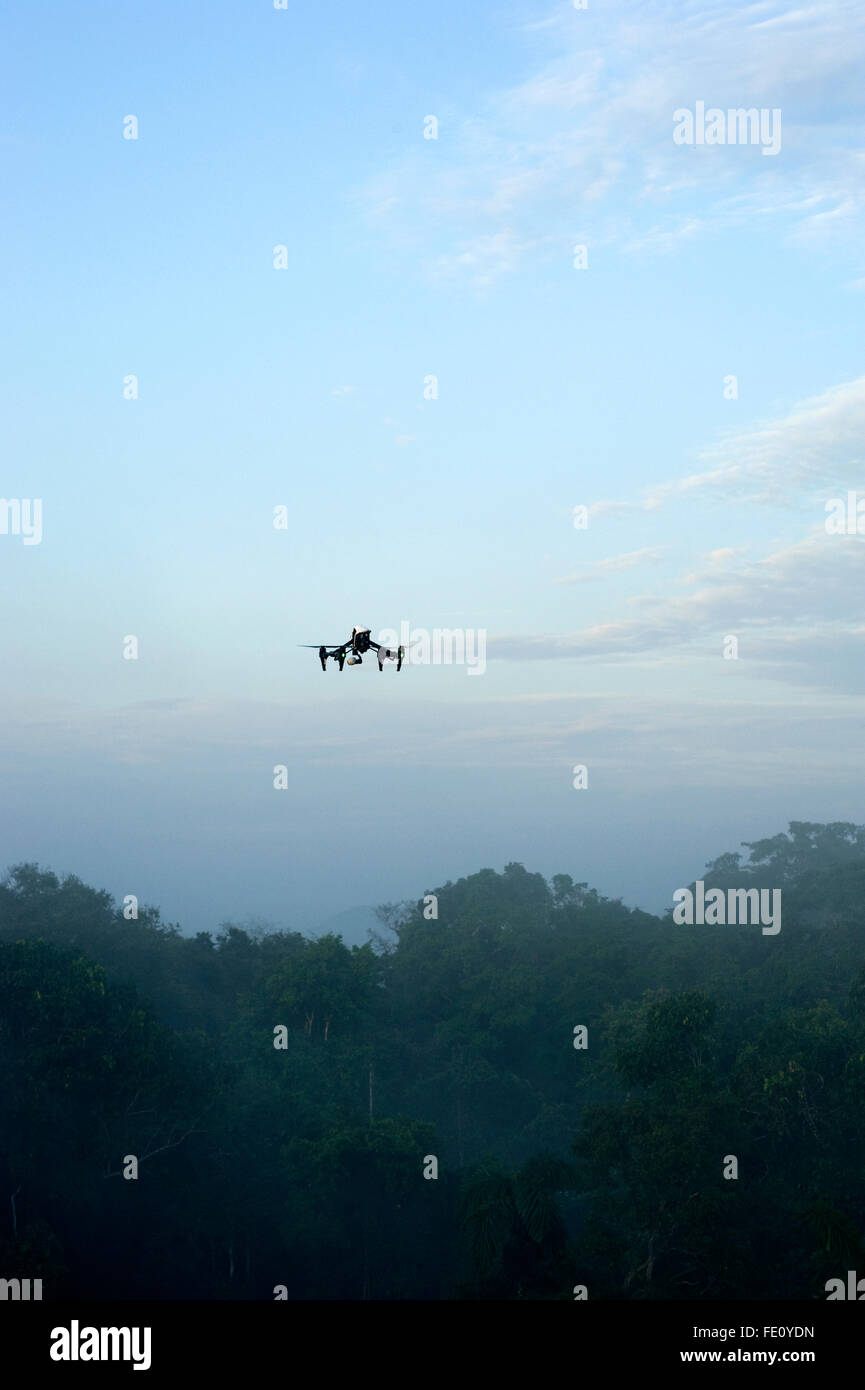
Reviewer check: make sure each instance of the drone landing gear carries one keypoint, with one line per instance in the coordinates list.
(337, 656)
(384, 654)
(341, 654)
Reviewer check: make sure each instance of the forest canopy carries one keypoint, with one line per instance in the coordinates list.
(581, 1073)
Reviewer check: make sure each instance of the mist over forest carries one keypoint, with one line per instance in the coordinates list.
(515, 1087)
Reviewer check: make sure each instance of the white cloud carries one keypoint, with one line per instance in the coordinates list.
(612, 564)
(814, 452)
(486, 257)
(777, 606)
(187, 750)
(582, 146)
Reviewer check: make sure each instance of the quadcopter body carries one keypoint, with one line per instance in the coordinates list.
(351, 652)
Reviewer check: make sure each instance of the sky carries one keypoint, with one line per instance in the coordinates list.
(428, 352)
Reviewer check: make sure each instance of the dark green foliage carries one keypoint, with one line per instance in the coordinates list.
(303, 1165)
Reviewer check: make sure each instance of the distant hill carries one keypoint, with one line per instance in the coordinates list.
(353, 925)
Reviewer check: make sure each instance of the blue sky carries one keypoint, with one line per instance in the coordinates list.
(304, 387)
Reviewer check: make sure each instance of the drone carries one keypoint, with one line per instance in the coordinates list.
(358, 643)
